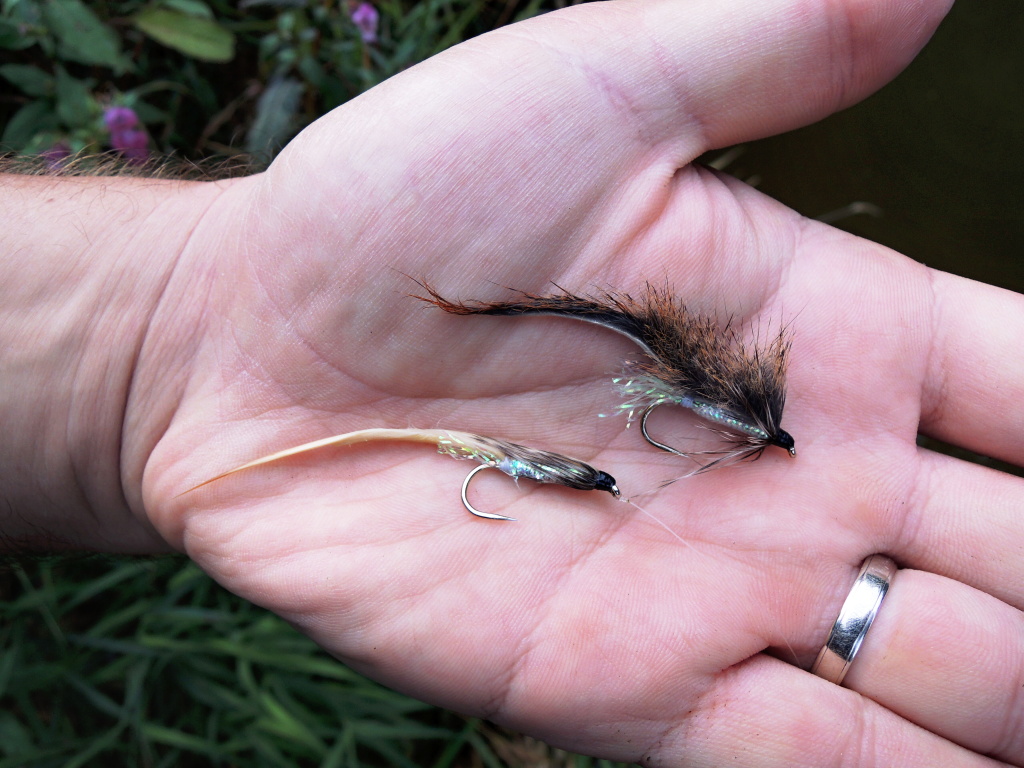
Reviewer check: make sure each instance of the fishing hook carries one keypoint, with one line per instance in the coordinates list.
(511, 458)
(651, 440)
(742, 452)
(470, 507)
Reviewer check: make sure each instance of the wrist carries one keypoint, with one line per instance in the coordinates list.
(84, 264)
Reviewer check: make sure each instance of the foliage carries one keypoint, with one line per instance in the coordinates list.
(149, 662)
(210, 78)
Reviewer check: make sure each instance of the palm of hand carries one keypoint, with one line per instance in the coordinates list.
(585, 612)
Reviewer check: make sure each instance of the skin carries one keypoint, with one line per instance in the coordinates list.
(158, 333)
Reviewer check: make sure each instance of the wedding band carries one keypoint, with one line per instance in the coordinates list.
(855, 619)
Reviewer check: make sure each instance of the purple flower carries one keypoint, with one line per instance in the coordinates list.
(365, 17)
(56, 155)
(125, 134)
(120, 119)
(134, 145)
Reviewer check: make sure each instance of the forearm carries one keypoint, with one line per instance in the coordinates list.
(83, 264)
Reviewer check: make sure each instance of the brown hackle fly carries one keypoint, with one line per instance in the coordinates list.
(690, 360)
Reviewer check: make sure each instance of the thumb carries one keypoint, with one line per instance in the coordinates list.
(736, 71)
(603, 81)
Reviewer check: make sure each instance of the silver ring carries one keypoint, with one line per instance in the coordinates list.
(855, 619)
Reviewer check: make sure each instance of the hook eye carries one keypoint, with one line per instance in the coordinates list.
(470, 507)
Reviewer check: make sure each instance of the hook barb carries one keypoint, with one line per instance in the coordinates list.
(470, 507)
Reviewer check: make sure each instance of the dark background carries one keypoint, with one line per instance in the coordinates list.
(940, 151)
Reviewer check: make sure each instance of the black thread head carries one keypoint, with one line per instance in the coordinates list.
(785, 440)
(605, 482)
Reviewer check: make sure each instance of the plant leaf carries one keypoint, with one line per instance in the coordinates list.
(275, 117)
(200, 38)
(34, 118)
(31, 80)
(74, 101)
(82, 36)
(12, 38)
(190, 7)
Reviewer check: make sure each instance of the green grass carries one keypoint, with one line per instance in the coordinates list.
(149, 662)
(110, 661)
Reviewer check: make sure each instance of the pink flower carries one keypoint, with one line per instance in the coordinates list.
(366, 17)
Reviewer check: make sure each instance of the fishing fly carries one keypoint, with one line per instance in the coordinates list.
(513, 459)
(691, 362)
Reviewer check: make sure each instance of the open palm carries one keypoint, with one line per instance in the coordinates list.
(560, 150)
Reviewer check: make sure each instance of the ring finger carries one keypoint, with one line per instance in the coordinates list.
(949, 658)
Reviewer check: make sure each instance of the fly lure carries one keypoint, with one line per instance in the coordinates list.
(511, 458)
(691, 362)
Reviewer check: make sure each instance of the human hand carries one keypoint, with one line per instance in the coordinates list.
(560, 150)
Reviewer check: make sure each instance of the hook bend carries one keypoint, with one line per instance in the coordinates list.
(470, 507)
(651, 440)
